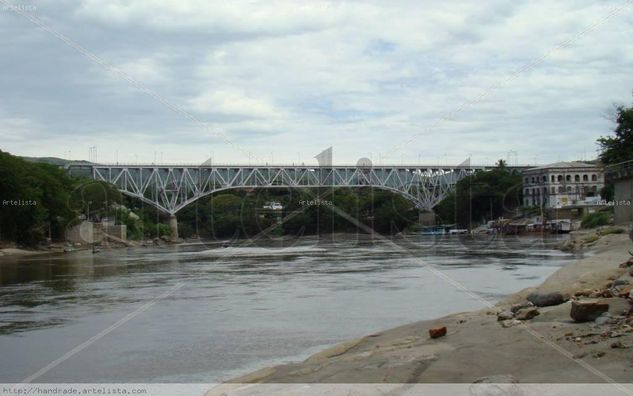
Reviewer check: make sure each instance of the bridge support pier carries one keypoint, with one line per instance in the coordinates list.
(173, 225)
(426, 218)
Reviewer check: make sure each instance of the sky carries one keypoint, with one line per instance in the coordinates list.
(279, 81)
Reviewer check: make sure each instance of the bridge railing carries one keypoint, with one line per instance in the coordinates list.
(278, 165)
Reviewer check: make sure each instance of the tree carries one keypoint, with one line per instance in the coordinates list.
(34, 198)
(485, 195)
(618, 148)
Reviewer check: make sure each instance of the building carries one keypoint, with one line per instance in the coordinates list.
(563, 184)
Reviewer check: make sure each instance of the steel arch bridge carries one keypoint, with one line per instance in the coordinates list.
(172, 187)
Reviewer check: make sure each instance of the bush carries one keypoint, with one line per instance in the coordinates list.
(591, 238)
(612, 230)
(593, 220)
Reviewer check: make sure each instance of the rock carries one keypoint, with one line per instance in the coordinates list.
(497, 379)
(579, 355)
(619, 283)
(606, 293)
(527, 313)
(524, 304)
(505, 315)
(546, 299)
(617, 345)
(598, 354)
(604, 318)
(583, 293)
(437, 332)
(586, 311)
(627, 263)
(623, 292)
(510, 323)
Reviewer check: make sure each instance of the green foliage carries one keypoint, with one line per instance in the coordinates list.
(485, 195)
(593, 220)
(612, 230)
(240, 213)
(618, 148)
(591, 238)
(33, 197)
(94, 198)
(608, 192)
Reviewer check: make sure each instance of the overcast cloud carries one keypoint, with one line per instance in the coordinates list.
(285, 79)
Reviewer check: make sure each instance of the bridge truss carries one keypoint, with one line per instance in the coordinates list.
(171, 188)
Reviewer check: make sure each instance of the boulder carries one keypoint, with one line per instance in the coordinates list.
(521, 305)
(620, 282)
(605, 318)
(586, 311)
(583, 293)
(437, 332)
(505, 315)
(510, 323)
(497, 379)
(545, 299)
(527, 313)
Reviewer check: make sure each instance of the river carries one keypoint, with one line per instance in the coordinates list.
(216, 313)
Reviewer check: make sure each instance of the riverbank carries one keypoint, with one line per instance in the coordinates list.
(12, 252)
(534, 344)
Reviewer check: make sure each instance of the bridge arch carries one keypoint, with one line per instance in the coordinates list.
(170, 188)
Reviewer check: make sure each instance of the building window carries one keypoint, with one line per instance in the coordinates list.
(585, 178)
(544, 178)
(568, 189)
(560, 178)
(577, 178)
(553, 178)
(594, 178)
(527, 180)
(533, 180)
(553, 190)
(561, 190)
(568, 178)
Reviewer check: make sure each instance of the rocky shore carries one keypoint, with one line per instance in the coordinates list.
(576, 327)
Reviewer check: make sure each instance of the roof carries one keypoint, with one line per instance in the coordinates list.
(566, 165)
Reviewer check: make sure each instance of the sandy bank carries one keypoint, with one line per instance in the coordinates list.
(549, 348)
(12, 252)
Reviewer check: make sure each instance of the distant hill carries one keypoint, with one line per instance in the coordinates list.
(53, 161)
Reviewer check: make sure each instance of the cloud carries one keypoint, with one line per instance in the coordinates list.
(234, 103)
(295, 77)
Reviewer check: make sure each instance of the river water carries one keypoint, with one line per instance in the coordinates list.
(221, 312)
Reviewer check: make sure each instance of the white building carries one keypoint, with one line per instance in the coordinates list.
(562, 184)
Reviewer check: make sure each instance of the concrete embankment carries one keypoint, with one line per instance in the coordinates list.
(529, 336)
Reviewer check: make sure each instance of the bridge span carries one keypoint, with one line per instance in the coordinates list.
(172, 187)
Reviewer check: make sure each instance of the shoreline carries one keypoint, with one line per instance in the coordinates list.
(59, 247)
(547, 348)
